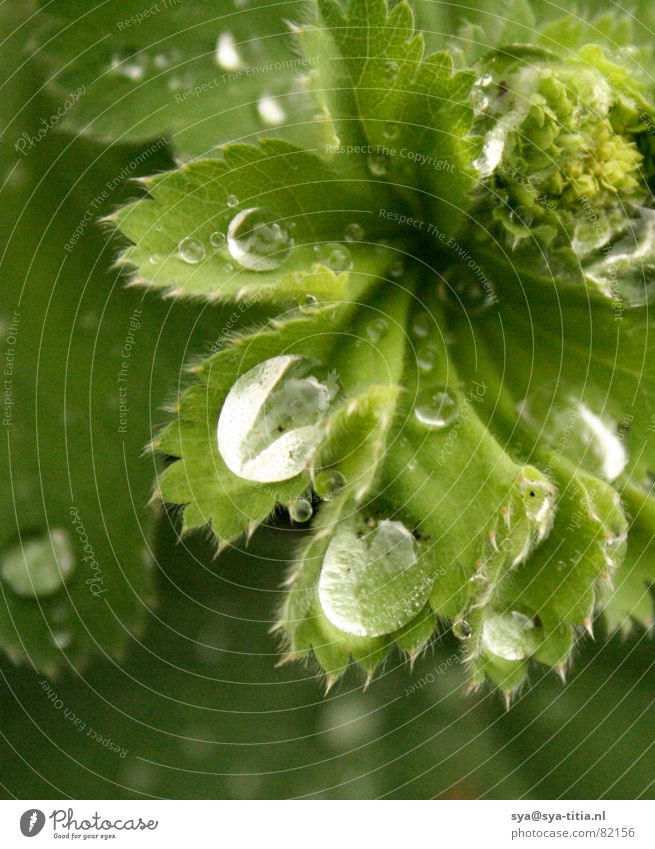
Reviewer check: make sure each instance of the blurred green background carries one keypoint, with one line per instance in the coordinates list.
(174, 679)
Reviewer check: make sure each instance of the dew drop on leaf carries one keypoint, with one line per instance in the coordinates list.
(507, 635)
(227, 54)
(270, 110)
(583, 436)
(232, 201)
(391, 132)
(354, 233)
(390, 71)
(301, 510)
(421, 325)
(376, 330)
(257, 241)
(328, 484)
(426, 358)
(378, 165)
(39, 565)
(309, 304)
(191, 250)
(334, 256)
(270, 424)
(217, 239)
(372, 581)
(461, 629)
(436, 407)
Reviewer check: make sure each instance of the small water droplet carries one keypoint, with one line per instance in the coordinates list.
(40, 564)
(191, 250)
(301, 510)
(333, 255)
(257, 241)
(232, 201)
(378, 165)
(396, 269)
(329, 484)
(129, 65)
(271, 111)
(309, 304)
(421, 325)
(376, 330)
(372, 581)
(426, 358)
(270, 424)
(217, 239)
(391, 132)
(227, 54)
(462, 629)
(390, 71)
(354, 233)
(228, 268)
(62, 639)
(435, 407)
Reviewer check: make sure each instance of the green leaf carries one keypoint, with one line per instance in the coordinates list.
(193, 73)
(183, 241)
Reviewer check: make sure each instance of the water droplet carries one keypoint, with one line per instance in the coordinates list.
(329, 484)
(376, 330)
(228, 268)
(129, 65)
(62, 639)
(435, 407)
(270, 424)
(372, 582)
(391, 132)
(354, 233)
(309, 304)
(426, 358)
(191, 250)
(492, 151)
(462, 629)
(271, 111)
(257, 241)
(396, 269)
(39, 565)
(301, 510)
(227, 55)
(421, 325)
(333, 255)
(390, 71)
(217, 239)
(470, 294)
(232, 201)
(581, 435)
(378, 165)
(508, 635)
(155, 259)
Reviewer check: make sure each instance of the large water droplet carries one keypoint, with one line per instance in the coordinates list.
(334, 256)
(191, 250)
(257, 241)
(580, 434)
(227, 54)
(508, 635)
(492, 151)
(40, 564)
(372, 582)
(270, 424)
(436, 407)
